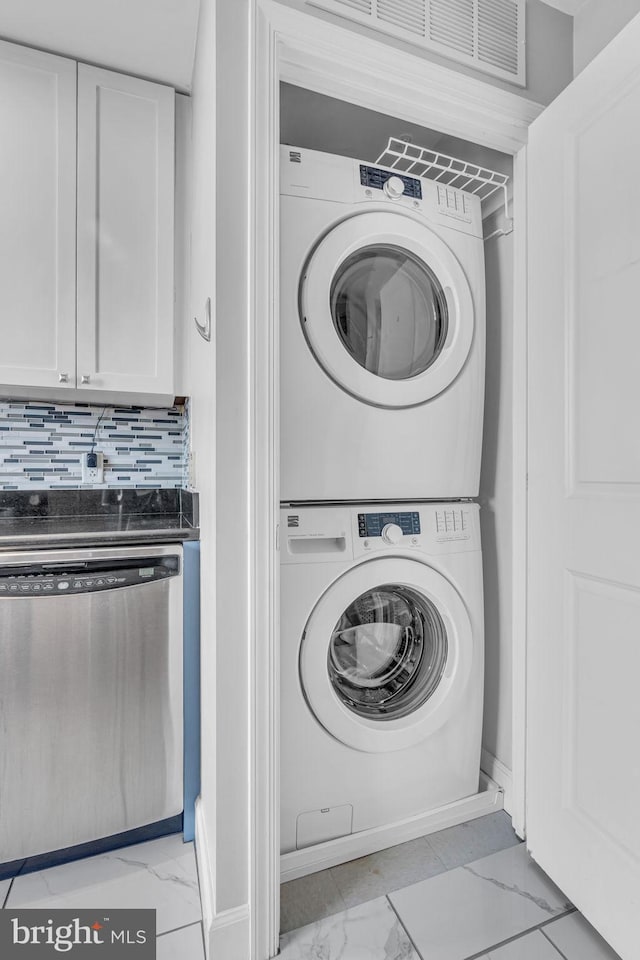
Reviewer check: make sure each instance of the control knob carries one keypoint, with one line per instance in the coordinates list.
(392, 533)
(394, 187)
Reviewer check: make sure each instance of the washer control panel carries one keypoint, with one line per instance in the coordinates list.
(341, 533)
(430, 528)
(374, 524)
(378, 179)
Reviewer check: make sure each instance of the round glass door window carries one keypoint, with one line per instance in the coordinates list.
(387, 652)
(390, 311)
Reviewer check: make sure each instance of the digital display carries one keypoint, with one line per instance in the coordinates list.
(147, 571)
(372, 524)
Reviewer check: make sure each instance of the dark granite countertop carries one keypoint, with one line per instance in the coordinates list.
(40, 519)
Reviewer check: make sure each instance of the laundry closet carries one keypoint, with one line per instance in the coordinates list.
(559, 524)
(396, 480)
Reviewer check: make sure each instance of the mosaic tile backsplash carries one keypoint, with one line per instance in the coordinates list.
(42, 445)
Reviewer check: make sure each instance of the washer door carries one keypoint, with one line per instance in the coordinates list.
(386, 654)
(387, 309)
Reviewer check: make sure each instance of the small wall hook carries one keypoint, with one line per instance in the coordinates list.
(204, 329)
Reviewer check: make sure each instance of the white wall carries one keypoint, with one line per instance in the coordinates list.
(200, 384)
(549, 49)
(595, 24)
(233, 576)
(219, 387)
(220, 426)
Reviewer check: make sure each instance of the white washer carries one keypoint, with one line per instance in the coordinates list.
(382, 305)
(382, 660)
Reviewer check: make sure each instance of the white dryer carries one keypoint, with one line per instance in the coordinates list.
(382, 305)
(382, 658)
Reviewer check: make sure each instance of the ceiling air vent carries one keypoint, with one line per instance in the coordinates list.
(407, 14)
(485, 34)
(366, 6)
(451, 24)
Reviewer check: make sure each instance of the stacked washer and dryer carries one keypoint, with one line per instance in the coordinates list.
(382, 303)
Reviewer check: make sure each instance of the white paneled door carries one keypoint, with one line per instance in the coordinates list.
(37, 218)
(583, 778)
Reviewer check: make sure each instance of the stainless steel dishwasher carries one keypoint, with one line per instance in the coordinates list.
(90, 694)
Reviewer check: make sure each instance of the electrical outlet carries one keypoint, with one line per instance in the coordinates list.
(93, 468)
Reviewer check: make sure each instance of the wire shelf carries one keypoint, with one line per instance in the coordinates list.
(422, 162)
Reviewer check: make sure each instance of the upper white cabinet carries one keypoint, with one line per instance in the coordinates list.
(125, 233)
(86, 245)
(38, 220)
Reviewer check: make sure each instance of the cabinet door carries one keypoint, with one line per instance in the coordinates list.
(38, 219)
(125, 233)
(583, 776)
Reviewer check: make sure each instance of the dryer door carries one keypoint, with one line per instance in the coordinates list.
(387, 310)
(386, 655)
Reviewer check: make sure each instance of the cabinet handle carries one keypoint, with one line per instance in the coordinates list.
(84, 378)
(204, 329)
(63, 377)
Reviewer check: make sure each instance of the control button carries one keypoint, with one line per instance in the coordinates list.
(414, 541)
(392, 533)
(13, 587)
(366, 544)
(63, 585)
(25, 587)
(394, 187)
(100, 582)
(37, 586)
(47, 586)
(112, 579)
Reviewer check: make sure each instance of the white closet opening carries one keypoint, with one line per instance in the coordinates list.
(312, 121)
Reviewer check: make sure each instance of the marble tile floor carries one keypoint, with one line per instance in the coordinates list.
(467, 893)
(330, 891)
(480, 897)
(159, 874)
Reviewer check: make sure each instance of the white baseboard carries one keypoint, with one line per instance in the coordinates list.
(226, 934)
(299, 863)
(497, 771)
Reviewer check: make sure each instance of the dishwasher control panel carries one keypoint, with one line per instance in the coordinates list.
(88, 576)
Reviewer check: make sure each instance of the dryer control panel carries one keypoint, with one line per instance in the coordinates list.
(312, 175)
(373, 524)
(376, 177)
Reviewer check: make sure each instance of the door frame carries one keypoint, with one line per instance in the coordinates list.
(324, 56)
